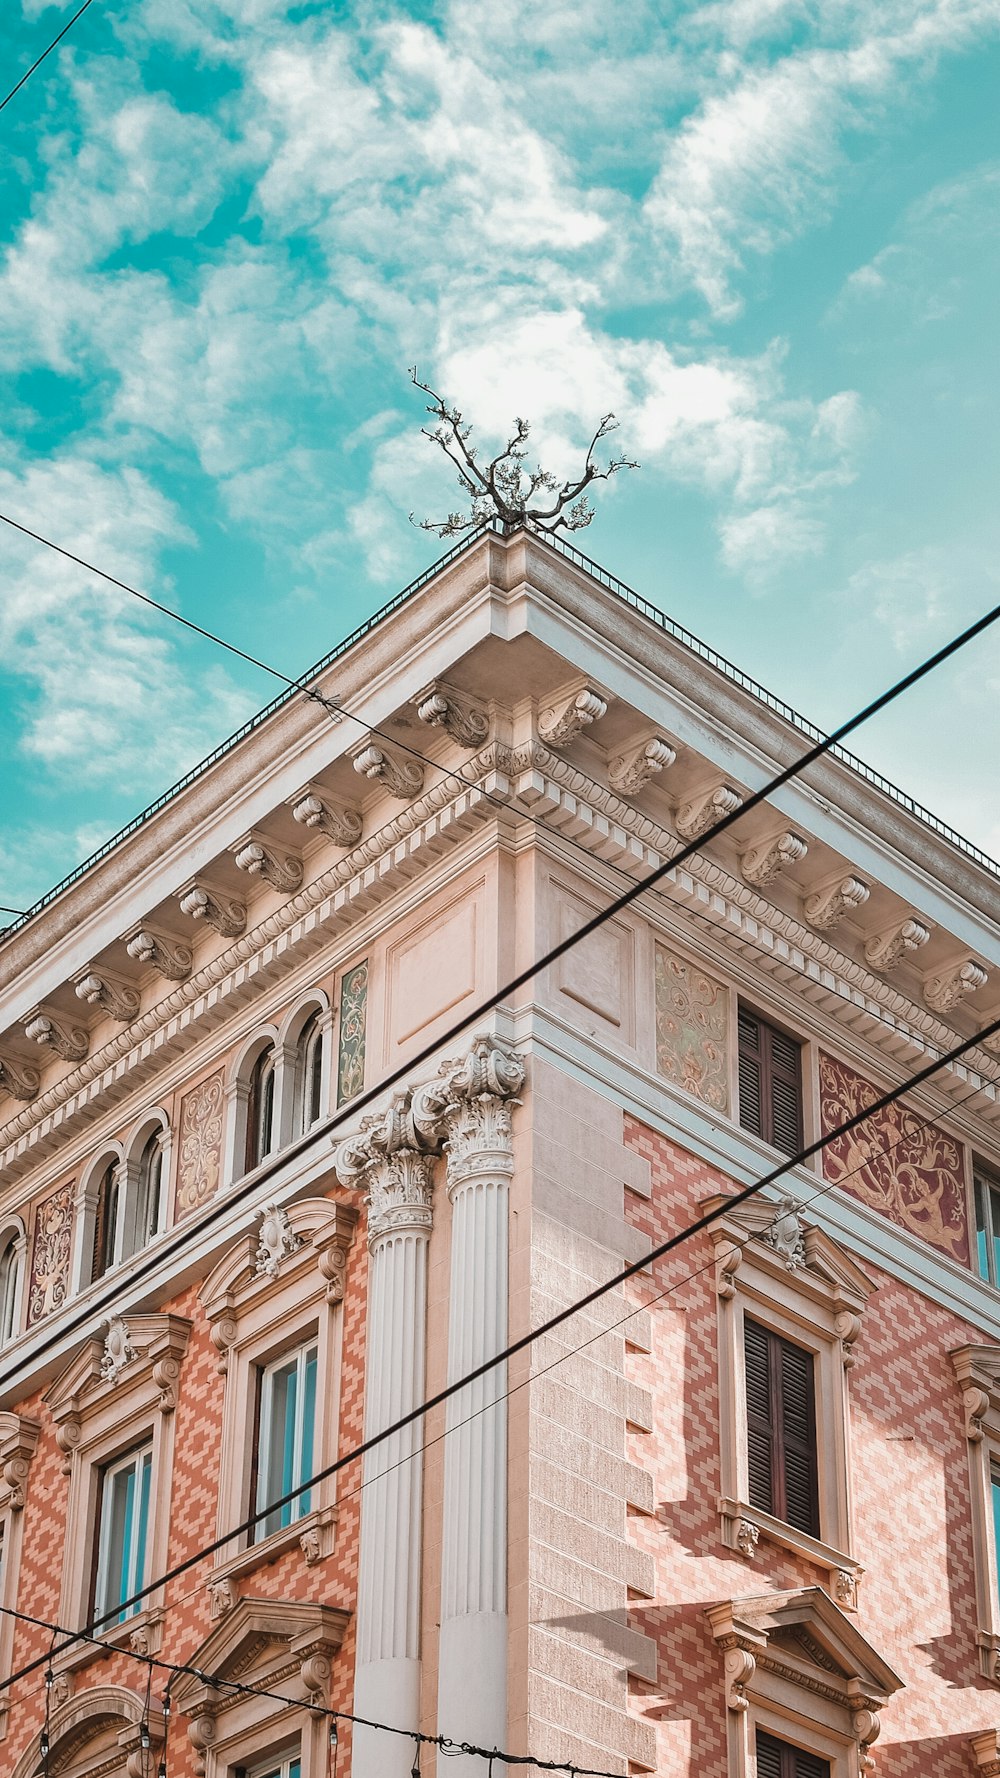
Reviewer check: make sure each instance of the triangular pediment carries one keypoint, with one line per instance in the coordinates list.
(806, 1632)
(783, 1237)
(256, 1638)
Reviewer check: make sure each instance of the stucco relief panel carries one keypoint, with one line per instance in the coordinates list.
(692, 1029)
(353, 1028)
(199, 1144)
(897, 1162)
(50, 1250)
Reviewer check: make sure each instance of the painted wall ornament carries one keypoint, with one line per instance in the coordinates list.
(50, 1252)
(692, 1029)
(353, 1023)
(199, 1145)
(895, 1161)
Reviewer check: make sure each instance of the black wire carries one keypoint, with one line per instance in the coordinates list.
(45, 52)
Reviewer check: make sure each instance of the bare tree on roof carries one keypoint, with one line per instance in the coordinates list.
(504, 488)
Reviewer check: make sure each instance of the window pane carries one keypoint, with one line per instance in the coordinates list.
(982, 1234)
(124, 1525)
(8, 1291)
(993, 1203)
(285, 1440)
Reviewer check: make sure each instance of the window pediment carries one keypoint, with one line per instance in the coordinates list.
(783, 1245)
(289, 1240)
(141, 1354)
(93, 1732)
(272, 1643)
(803, 1637)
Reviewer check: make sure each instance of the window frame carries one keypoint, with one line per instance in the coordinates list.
(108, 1472)
(791, 1278)
(19, 1438)
(261, 1307)
(987, 1182)
(267, 1374)
(13, 1250)
(101, 1414)
(977, 1372)
(765, 1061)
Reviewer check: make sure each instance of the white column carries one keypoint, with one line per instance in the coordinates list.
(472, 1662)
(387, 1672)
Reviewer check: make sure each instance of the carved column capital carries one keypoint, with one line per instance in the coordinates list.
(386, 1160)
(116, 998)
(340, 823)
(199, 903)
(170, 958)
(467, 1110)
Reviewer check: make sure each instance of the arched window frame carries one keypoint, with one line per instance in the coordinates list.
(239, 1089)
(311, 1017)
(13, 1246)
(140, 1229)
(89, 1212)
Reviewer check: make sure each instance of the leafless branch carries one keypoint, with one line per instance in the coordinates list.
(505, 489)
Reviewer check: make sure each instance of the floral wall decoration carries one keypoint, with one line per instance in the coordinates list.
(199, 1145)
(353, 1021)
(692, 1029)
(50, 1250)
(895, 1161)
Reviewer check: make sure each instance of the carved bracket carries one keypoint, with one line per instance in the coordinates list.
(401, 776)
(171, 959)
(986, 1753)
(228, 917)
(740, 1669)
(282, 870)
(68, 1041)
(116, 998)
(866, 1725)
(762, 863)
(699, 813)
(461, 717)
(946, 989)
(746, 1538)
(340, 823)
(558, 727)
(889, 948)
(19, 1079)
(828, 906)
(631, 772)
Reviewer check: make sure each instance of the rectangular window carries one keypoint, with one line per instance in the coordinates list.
(776, 1759)
(987, 1193)
(123, 1530)
(781, 1428)
(286, 1422)
(286, 1768)
(770, 1074)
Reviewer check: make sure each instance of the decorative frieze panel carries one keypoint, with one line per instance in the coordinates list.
(692, 1029)
(353, 1027)
(199, 1146)
(50, 1252)
(896, 1162)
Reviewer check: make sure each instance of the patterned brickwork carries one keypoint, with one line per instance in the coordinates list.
(912, 1529)
(192, 1525)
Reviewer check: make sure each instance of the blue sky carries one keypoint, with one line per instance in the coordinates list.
(764, 233)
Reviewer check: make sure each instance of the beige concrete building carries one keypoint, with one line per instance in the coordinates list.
(737, 1518)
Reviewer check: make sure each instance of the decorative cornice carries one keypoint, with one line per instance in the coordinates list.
(401, 776)
(763, 862)
(166, 955)
(116, 998)
(825, 908)
(200, 903)
(68, 1041)
(561, 724)
(255, 855)
(462, 718)
(948, 987)
(701, 812)
(888, 950)
(338, 821)
(631, 772)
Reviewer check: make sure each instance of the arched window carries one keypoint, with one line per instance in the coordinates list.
(10, 1287)
(108, 1220)
(308, 1075)
(260, 1110)
(148, 1184)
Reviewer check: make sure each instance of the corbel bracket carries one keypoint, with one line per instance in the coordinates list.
(631, 772)
(68, 1041)
(255, 855)
(116, 998)
(340, 823)
(228, 917)
(461, 717)
(166, 955)
(827, 906)
(701, 812)
(947, 988)
(559, 726)
(19, 1079)
(765, 861)
(402, 777)
(888, 949)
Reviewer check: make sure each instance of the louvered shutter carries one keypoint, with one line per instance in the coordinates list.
(797, 1432)
(769, 1763)
(809, 1765)
(751, 1066)
(785, 1092)
(760, 1415)
(775, 1759)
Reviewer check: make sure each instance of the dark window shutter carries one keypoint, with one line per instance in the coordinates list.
(781, 1428)
(770, 1078)
(776, 1759)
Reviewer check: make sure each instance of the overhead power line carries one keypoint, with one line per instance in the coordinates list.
(525, 1341)
(45, 52)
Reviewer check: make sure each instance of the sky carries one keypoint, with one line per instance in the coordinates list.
(764, 233)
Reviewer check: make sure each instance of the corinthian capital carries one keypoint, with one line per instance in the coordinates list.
(467, 1110)
(388, 1162)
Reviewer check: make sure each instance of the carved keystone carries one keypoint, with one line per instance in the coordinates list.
(558, 727)
(945, 990)
(67, 1040)
(402, 777)
(171, 959)
(20, 1080)
(340, 823)
(461, 717)
(696, 816)
(116, 998)
(889, 948)
(631, 772)
(254, 855)
(761, 864)
(827, 906)
(228, 917)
